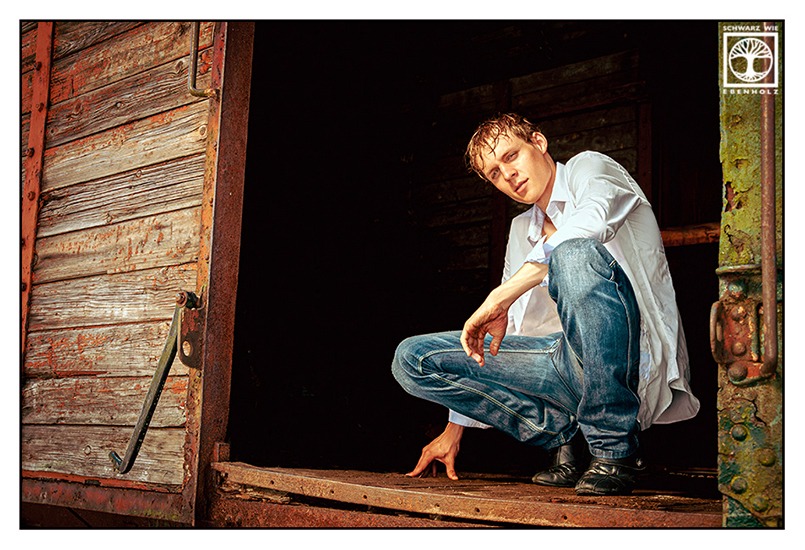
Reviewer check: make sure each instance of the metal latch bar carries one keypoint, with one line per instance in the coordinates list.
(122, 465)
(191, 73)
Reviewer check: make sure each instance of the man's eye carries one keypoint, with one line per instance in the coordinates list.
(493, 174)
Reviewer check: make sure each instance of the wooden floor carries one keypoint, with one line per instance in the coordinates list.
(299, 497)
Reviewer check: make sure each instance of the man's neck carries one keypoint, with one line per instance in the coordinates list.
(545, 198)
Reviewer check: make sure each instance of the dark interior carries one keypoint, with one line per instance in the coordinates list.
(333, 273)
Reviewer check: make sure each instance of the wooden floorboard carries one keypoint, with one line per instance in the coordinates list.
(661, 501)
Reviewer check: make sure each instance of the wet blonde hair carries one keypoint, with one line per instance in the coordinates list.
(490, 131)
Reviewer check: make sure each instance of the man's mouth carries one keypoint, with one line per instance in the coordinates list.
(520, 186)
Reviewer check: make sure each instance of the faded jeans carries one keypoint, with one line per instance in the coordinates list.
(541, 390)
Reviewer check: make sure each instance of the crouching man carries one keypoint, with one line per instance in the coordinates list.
(581, 347)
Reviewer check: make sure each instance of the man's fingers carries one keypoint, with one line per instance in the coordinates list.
(494, 346)
(424, 461)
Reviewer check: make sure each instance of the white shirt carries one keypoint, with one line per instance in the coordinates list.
(594, 196)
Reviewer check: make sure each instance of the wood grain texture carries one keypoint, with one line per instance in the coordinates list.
(84, 451)
(172, 185)
(107, 351)
(174, 134)
(153, 91)
(141, 48)
(101, 401)
(163, 240)
(110, 299)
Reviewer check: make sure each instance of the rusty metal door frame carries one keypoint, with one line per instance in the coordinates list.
(219, 256)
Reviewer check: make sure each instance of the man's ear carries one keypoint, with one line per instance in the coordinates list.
(539, 141)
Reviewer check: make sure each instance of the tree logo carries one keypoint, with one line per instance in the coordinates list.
(749, 59)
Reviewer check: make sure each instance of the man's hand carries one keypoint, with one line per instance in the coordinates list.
(491, 318)
(442, 449)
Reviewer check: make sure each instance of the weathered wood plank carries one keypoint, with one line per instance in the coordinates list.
(479, 497)
(125, 350)
(101, 401)
(71, 36)
(166, 239)
(139, 49)
(110, 299)
(173, 185)
(84, 451)
(147, 93)
(460, 103)
(177, 133)
(624, 64)
(578, 97)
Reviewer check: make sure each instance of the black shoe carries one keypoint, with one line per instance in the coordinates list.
(610, 476)
(568, 464)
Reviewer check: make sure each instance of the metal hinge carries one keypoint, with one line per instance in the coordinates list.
(184, 337)
(735, 333)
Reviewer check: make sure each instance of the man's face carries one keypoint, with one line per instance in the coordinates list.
(521, 170)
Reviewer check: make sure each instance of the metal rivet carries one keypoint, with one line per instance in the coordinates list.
(739, 485)
(737, 372)
(760, 503)
(31, 195)
(766, 456)
(739, 433)
(738, 348)
(736, 289)
(87, 450)
(738, 313)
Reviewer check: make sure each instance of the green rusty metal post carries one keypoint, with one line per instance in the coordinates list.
(750, 408)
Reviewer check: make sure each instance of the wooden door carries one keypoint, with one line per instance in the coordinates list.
(127, 176)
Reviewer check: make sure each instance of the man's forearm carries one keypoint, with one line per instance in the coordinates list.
(526, 278)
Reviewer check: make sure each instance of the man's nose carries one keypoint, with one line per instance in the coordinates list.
(508, 172)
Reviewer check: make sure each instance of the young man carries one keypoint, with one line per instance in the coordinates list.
(594, 349)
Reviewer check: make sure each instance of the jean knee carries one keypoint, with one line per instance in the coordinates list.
(576, 251)
(403, 367)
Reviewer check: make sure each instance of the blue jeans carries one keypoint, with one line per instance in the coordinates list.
(541, 390)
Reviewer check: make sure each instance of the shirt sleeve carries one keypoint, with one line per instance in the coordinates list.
(604, 196)
(467, 422)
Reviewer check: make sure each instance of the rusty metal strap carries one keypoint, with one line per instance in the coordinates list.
(123, 465)
(34, 161)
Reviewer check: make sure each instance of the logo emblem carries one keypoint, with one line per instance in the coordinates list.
(749, 58)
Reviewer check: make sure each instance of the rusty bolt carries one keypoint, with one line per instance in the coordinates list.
(40, 107)
(24, 286)
(38, 65)
(29, 152)
(181, 299)
(31, 195)
(766, 456)
(739, 485)
(737, 372)
(739, 432)
(738, 348)
(760, 503)
(738, 313)
(87, 450)
(736, 290)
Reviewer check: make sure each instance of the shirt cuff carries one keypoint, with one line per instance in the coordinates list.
(465, 421)
(541, 254)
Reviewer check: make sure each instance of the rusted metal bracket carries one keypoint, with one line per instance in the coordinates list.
(191, 74)
(185, 335)
(736, 326)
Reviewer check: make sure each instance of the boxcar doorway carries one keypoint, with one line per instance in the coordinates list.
(361, 227)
